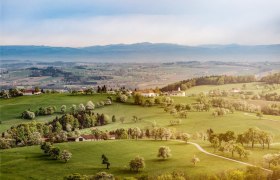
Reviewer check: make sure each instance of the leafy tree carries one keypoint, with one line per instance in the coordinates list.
(46, 147)
(63, 109)
(186, 137)
(89, 107)
(271, 159)
(215, 143)
(4, 144)
(164, 152)
(28, 115)
(137, 163)
(35, 138)
(54, 152)
(103, 176)
(73, 109)
(82, 108)
(65, 155)
(252, 134)
(138, 99)
(259, 115)
(122, 119)
(195, 160)
(105, 160)
(114, 118)
(136, 133)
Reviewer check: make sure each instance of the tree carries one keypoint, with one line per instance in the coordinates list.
(121, 98)
(186, 137)
(259, 115)
(90, 107)
(215, 143)
(63, 109)
(54, 152)
(122, 119)
(103, 176)
(81, 108)
(252, 134)
(73, 109)
(136, 133)
(138, 99)
(164, 152)
(183, 114)
(271, 159)
(167, 133)
(28, 115)
(105, 160)
(35, 138)
(241, 151)
(195, 160)
(114, 118)
(4, 144)
(65, 156)
(137, 163)
(46, 147)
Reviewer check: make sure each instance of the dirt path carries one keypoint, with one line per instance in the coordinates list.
(222, 157)
(246, 114)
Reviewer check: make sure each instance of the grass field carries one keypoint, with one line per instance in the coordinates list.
(11, 109)
(255, 157)
(197, 121)
(31, 163)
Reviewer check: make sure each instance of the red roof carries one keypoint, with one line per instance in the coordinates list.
(88, 136)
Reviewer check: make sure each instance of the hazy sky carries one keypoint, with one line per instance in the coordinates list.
(93, 22)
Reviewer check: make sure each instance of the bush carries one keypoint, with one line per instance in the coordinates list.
(28, 115)
(164, 152)
(137, 163)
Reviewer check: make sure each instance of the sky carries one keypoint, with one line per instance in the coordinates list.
(78, 23)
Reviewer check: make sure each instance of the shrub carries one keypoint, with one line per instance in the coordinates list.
(28, 115)
(137, 163)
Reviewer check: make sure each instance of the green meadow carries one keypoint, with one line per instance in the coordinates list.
(31, 163)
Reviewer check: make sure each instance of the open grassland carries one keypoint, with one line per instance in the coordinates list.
(11, 109)
(31, 163)
(196, 121)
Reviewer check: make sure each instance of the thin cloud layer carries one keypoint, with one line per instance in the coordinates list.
(83, 23)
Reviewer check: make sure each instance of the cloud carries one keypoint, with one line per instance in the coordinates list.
(82, 23)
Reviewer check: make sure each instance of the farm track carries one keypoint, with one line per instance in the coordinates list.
(222, 157)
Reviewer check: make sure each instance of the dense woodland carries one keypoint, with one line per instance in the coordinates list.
(220, 80)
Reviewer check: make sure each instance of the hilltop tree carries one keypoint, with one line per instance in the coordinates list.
(164, 152)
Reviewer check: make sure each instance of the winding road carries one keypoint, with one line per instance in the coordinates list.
(222, 157)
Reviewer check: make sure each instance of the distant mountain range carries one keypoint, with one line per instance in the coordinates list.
(144, 52)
